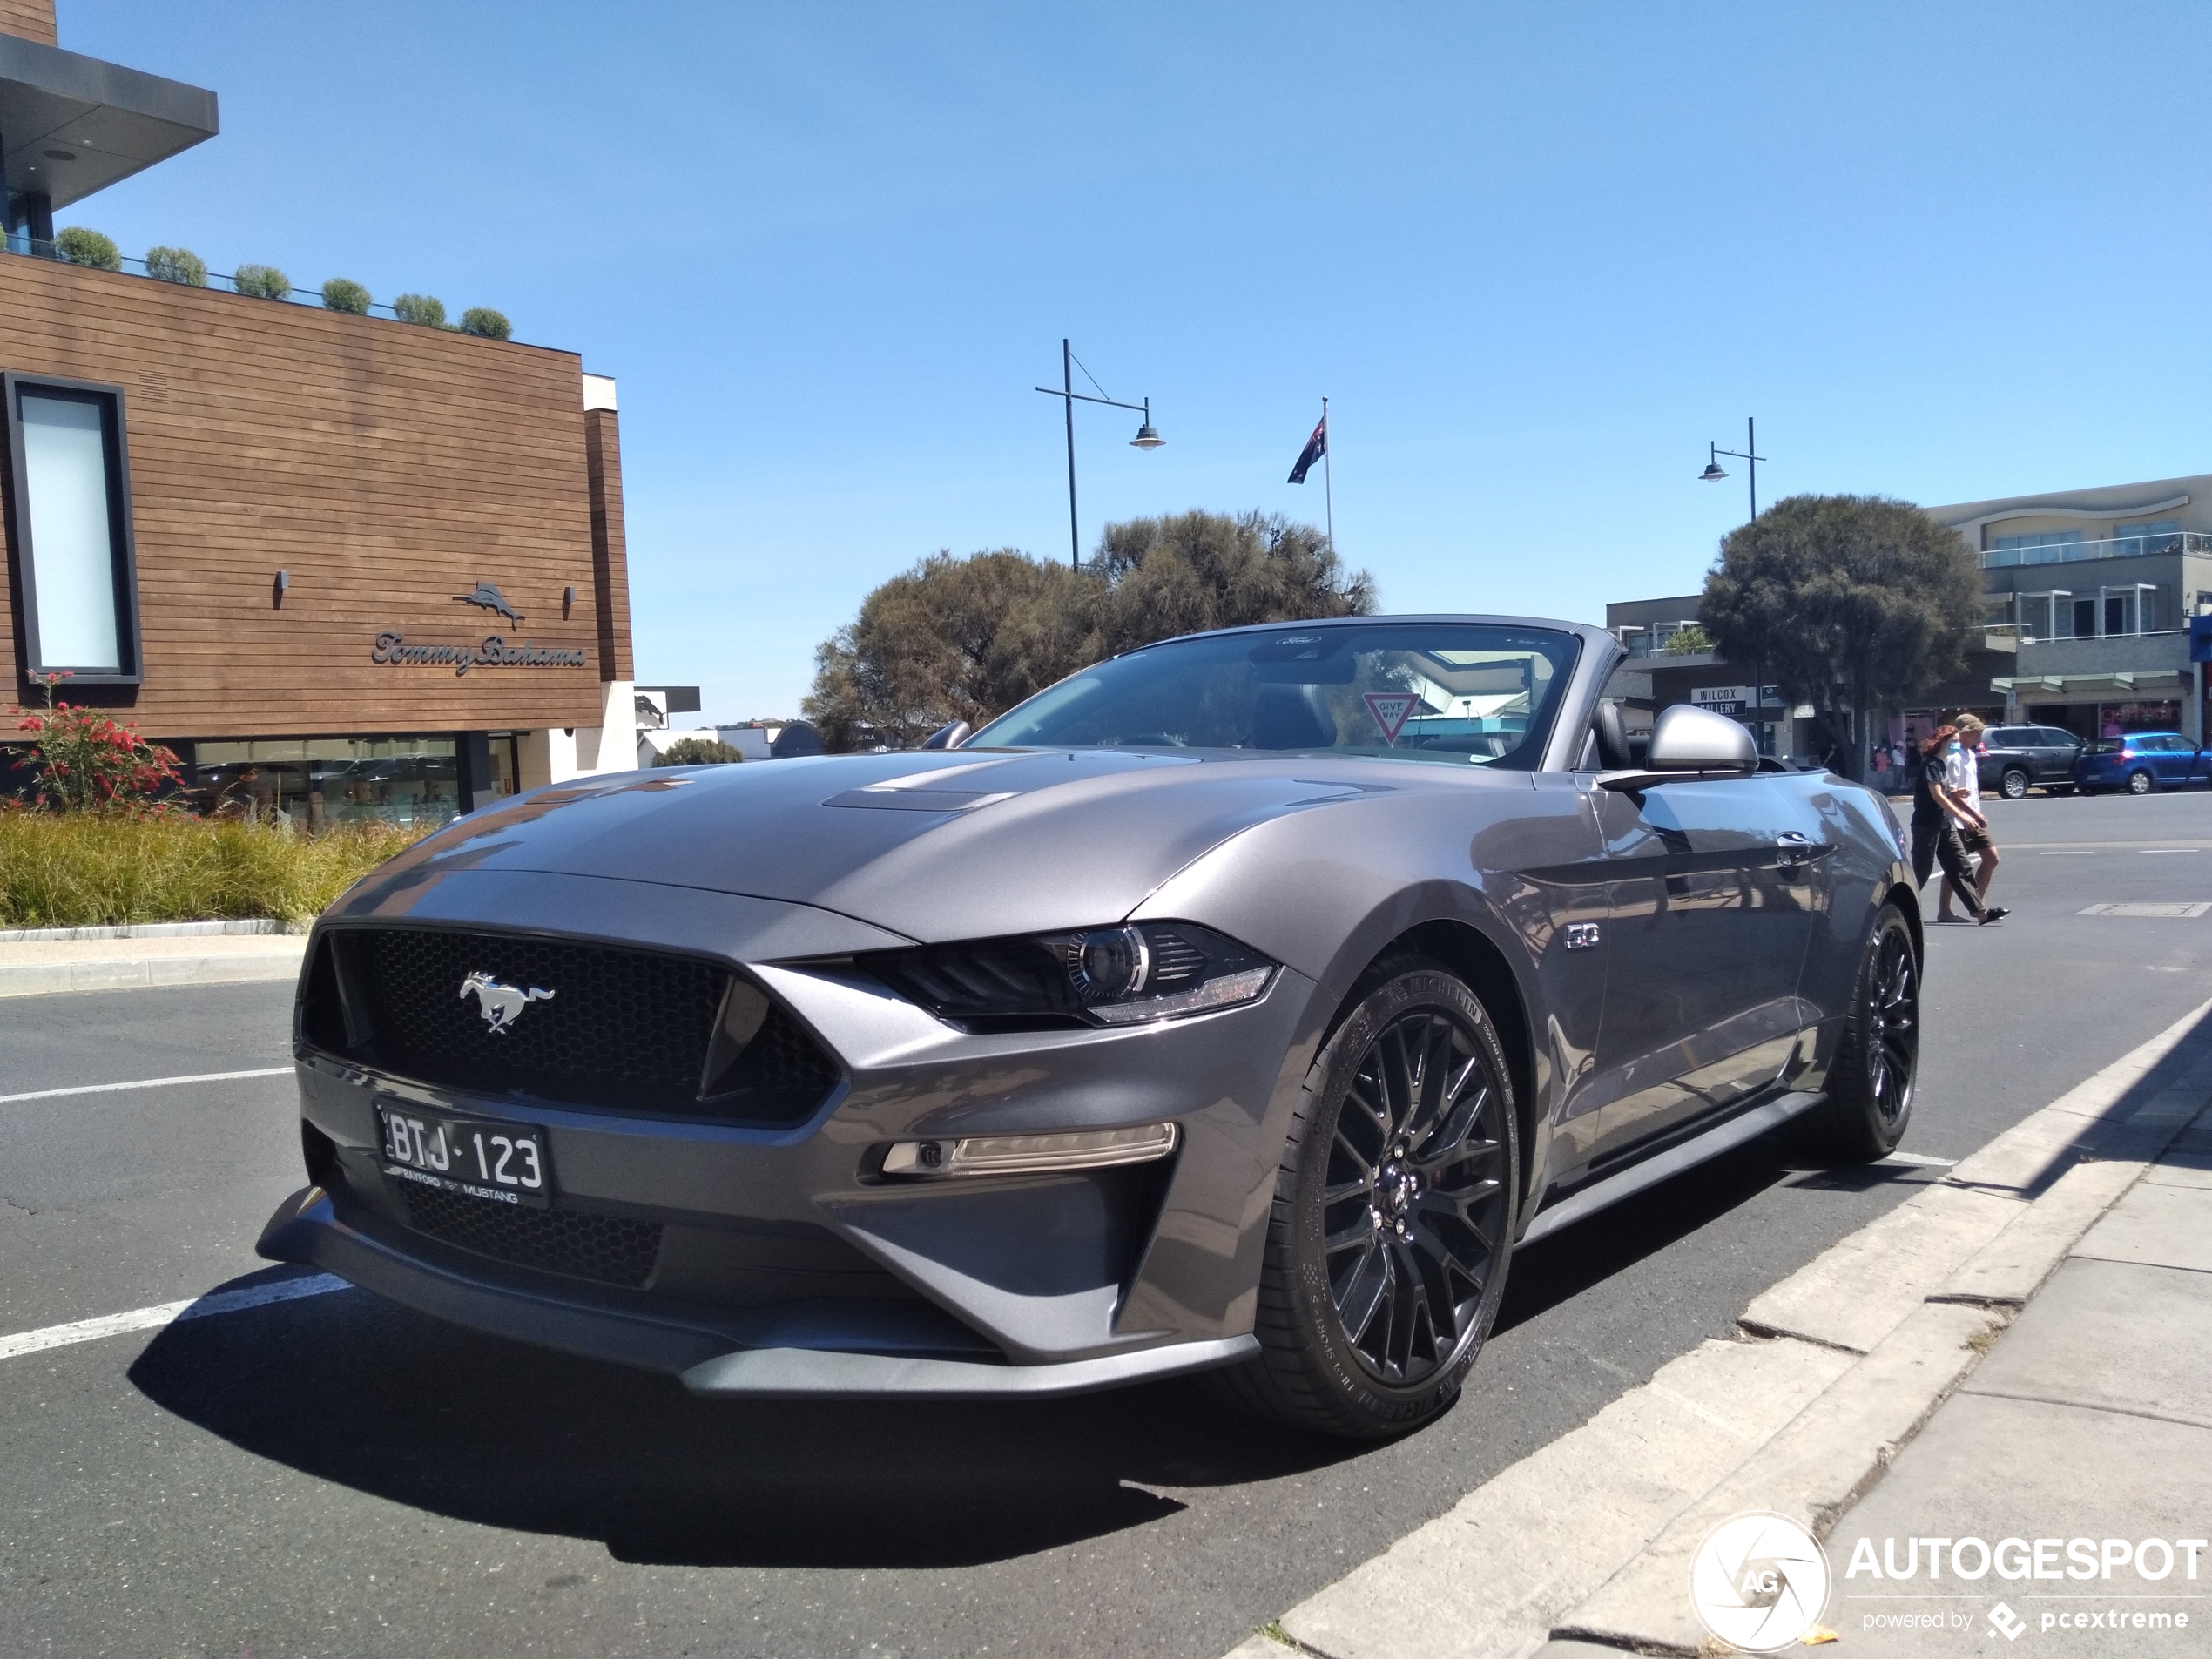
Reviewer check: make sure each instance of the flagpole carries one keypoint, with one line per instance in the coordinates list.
(1328, 480)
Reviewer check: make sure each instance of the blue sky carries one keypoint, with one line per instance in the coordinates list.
(1536, 255)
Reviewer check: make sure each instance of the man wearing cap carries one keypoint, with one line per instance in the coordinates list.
(1962, 771)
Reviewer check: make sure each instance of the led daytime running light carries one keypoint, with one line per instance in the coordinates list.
(1091, 1148)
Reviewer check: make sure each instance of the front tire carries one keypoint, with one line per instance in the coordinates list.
(2015, 785)
(2139, 783)
(1393, 1213)
(1869, 1086)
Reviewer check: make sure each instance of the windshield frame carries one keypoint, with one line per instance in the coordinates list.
(1538, 735)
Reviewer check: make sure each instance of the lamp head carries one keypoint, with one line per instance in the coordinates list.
(1148, 437)
(1713, 474)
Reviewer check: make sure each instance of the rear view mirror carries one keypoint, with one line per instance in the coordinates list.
(1689, 742)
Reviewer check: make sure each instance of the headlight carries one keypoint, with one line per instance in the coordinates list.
(1123, 974)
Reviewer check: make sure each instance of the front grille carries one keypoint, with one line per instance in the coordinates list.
(612, 1250)
(628, 1030)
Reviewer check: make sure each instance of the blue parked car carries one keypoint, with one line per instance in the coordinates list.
(2140, 762)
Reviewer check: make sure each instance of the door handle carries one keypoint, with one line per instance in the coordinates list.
(1792, 850)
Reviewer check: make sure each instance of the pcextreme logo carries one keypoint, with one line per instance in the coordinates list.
(1759, 1581)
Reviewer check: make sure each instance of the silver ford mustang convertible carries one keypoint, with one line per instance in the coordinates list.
(1238, 1005)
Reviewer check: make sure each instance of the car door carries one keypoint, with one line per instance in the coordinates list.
(2169, 759)
(1716, 886)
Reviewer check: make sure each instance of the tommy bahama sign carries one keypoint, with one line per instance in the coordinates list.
(492, 651)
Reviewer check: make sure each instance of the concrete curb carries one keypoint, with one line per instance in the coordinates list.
(254, 926)
(1839, 1366)
(272, 957)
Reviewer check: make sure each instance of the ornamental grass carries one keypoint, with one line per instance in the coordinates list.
(96, 870)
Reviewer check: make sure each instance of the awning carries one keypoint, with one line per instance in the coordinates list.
(71, 124)
(2084, 688)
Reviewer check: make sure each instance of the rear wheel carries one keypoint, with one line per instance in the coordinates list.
(1393, 1213)
(2139, 783)
(1869, 1086)
(2015, 785)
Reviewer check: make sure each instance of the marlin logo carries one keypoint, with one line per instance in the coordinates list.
(490, 598)
(501, 1005)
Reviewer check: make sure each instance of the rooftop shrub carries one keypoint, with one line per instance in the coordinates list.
(420, 308)
(262, 282)
(342, 293)
(76, 246)
(482, 320)
(178, 265)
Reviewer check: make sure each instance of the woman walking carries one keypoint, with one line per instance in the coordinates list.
(1937, 814)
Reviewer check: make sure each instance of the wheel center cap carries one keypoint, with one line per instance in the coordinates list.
(1397, 1188)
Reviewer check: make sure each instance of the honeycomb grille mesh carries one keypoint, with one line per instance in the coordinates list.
(627, 1030)
(611, 1249)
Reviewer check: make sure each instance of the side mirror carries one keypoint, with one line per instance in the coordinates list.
(949, 737)
(1687, 742)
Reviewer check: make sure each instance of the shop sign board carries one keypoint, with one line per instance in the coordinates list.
(396, 650)
(1734, 699)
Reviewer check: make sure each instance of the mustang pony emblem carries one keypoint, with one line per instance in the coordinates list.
(501, 1005)
(490, 598)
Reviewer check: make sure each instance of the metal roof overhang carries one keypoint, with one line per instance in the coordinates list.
(110, 121)
(2123, 684)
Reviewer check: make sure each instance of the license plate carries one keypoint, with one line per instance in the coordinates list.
(504, 1163)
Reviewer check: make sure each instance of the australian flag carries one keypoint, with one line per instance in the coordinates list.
(1316, 447)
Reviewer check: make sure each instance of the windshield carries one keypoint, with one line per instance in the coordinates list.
(1456, 692)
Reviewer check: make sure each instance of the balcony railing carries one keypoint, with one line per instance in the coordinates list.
(2116, 547)
(217, 280)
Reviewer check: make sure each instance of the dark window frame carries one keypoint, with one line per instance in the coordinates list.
(123, 548)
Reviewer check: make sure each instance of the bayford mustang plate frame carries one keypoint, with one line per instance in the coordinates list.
(1235, 1006)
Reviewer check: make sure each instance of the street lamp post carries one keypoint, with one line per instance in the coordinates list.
(1750, 455)
(1146, 437)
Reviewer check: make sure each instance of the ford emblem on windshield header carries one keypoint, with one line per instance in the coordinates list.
(501, 1005)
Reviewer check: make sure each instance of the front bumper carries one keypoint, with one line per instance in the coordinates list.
(784, 1266)
(730, 1354)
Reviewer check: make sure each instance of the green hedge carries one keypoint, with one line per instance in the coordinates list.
(61, 870)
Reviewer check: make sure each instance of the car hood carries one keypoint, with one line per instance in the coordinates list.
(933, 846)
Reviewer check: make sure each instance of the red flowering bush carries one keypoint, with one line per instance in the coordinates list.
(85, 762)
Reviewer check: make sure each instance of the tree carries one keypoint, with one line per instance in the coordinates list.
(697, 751)
(1688, 640)
(1852, 603)
(966, 639)
(951, 639)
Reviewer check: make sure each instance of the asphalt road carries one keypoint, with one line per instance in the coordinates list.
(335, 1475)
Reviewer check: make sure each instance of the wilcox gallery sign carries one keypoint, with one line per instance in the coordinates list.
(491, 651)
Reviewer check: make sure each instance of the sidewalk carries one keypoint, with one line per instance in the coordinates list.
(1857, 1403)
(2091, 1420)
(43, 966)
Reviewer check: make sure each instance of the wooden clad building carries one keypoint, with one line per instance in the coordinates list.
(347, 565)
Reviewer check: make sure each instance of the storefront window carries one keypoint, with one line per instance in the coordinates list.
(313, 783)
(2119, 719)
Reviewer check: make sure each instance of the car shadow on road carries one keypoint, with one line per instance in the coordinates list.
(352, 1389)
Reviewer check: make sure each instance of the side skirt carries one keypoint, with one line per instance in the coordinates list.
(1660, 1166)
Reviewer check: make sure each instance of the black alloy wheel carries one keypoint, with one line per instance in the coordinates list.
(2013, 785)
(1869, 1085)
(2139, 783)
(1393, 1213)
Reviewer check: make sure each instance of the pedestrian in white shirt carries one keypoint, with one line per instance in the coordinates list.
(1962, 773)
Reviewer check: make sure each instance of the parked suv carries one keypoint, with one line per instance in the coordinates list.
(2139, 763)
(2017, 758)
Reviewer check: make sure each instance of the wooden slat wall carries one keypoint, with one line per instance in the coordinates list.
(31, 19)
(388, 468)
(610, 560)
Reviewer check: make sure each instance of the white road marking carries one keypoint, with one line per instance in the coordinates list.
(2177, 911)
(1920, 1158)
(116, 1324)
(2080, 854)
(2153, 852)
(146, 1082)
